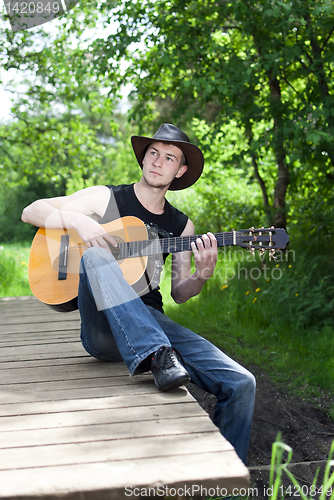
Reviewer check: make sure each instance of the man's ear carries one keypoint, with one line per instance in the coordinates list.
(181, 171)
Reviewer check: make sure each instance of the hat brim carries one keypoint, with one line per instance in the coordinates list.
(195, 159)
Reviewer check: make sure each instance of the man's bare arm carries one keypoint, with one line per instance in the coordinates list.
(184, 284)
(73, 212)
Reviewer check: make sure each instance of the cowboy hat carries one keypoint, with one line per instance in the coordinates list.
(170, 134)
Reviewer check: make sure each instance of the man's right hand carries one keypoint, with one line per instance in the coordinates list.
(93, 234)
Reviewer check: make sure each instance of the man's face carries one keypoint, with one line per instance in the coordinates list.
(161, 164)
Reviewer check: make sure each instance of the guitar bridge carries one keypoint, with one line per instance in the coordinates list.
(63, 257)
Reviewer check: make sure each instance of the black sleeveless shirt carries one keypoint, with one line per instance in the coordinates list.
(123, 202)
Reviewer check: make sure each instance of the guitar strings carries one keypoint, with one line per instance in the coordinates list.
(156, 246)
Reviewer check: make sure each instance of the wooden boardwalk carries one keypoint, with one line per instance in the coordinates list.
(72, 427)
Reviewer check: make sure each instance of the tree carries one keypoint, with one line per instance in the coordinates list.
(266, 65)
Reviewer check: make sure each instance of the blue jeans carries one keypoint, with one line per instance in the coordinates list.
(116, 325)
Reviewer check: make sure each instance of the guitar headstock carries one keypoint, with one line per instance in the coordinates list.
(262, 239)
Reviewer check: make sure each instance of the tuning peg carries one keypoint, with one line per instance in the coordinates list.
(271, 254)
(252, 251)
(262, 252)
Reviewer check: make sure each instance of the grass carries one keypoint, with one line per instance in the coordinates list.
(14, 270)
(283, 484)
(280, 459)
(277, 315)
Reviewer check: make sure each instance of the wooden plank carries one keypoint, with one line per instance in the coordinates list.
(73, 405)
(109, 450)
(45, 326)
(13, 365)
(44, 374)
(14, 338)
(120, 430)
(122, 386)
(73, 352)
(20, 299)
(103, 416)
(108, 480)
(7, 318)
(22, 352)
(22, 304)
(82, 383)
(40, 341)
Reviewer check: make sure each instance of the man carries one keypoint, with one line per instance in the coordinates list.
(117, 324)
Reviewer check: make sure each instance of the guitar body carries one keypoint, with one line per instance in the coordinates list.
(61, 294)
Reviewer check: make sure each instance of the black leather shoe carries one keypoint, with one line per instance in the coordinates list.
(167, 371)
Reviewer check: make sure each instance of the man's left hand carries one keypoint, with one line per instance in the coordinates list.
(206, 253)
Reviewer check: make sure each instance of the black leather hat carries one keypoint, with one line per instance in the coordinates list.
(170, 134)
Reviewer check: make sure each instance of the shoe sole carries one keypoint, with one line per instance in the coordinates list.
(174, 385)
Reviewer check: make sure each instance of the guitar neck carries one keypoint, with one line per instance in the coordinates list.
(183, 243)
(167, 245)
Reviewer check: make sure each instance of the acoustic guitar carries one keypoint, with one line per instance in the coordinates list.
(56, 253)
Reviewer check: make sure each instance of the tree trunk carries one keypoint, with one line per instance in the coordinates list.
(280, 154)
(278, 144)
(267, 208)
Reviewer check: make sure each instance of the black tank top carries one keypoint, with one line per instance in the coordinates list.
(123, 202)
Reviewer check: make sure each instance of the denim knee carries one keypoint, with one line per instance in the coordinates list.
(247, 384)
(251, 382)
(98, 254)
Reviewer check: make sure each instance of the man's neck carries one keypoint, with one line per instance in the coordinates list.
(153, 199)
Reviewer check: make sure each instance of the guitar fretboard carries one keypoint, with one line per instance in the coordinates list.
(166, 245)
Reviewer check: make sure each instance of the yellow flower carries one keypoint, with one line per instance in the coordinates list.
(258, 289)
(247, 292)
(290, 265)
(255, 299)
(296, 294)
(277, 265)
(268, 280)
(225, 286)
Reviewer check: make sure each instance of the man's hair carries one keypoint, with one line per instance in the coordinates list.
(183, 159)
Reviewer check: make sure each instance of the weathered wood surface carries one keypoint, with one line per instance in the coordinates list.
(72, 427)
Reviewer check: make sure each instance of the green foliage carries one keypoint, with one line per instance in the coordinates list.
(47, 147)
(226, 195)
(257, 74)
(12, 202)
(277, 315)
(269, 69)
(56, 155)
(14, 270)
